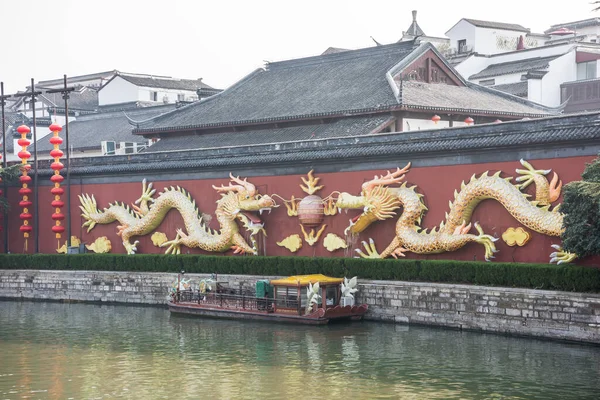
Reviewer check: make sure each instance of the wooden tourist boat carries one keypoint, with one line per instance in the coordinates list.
(304, 299)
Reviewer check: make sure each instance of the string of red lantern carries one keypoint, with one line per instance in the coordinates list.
(25, 179)
(1, 192)
(57, 191)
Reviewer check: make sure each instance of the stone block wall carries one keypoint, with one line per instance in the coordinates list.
(101, 286)
(549, 314)
(552, 314)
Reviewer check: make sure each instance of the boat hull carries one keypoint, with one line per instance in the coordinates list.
(321, 317)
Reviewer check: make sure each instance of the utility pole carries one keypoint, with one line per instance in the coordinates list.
(36, 218)
(4, 163)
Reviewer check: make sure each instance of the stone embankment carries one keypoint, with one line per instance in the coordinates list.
(548, 314)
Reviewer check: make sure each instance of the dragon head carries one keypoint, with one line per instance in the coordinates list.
(376, 201)
(240, 200)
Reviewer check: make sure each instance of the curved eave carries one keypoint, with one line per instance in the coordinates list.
(337, 114)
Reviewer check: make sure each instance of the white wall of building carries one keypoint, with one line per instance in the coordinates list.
(117, 91)
(165, 95)
(494, 41)
(413, 124)
(535, 90)
(120, 90)
(461, 31)
(472, 65)
(486, 40)
(563, 69)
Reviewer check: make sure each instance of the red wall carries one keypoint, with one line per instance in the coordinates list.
(436, 183)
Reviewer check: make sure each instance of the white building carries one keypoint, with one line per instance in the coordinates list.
(539, 67)
(488, 37)
(152, 90)
(100, 99)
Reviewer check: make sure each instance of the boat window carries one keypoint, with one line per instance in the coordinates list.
(287, 297)
(303, 292)
(331, 295)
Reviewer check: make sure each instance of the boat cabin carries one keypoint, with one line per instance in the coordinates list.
(290, 294)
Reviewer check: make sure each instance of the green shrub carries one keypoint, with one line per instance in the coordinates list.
(538, 276)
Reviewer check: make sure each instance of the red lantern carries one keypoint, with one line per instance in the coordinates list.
(56, 166)
(469, 120)
(25, 179)
(436, 118)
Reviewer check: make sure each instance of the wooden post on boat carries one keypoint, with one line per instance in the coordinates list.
(299, 299)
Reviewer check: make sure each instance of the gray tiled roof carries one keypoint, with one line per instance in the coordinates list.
(513, 67)
(88, 131)
(348, 80)
(82, 99)
(474, 97)
(555, 131)
(346, 127)
(496, 25)
(332, 85)
(520, 89)
(166, 83)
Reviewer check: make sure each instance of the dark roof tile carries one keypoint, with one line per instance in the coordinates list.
(166, 82)
(496, 25)
(346, 83)
(517, 89)
(583, 128)
(513, 67)
(313, 85)
(477, 98)
(88, 131)
(347, 127)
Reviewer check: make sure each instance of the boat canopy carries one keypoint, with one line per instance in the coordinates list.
(304, 280)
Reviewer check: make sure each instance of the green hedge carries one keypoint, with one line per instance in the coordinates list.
(539, 276)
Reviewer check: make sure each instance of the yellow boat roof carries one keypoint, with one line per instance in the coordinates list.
(304, 280)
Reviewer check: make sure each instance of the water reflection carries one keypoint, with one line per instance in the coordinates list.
(58, 351)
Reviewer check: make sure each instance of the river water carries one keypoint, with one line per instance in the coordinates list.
(81, 351)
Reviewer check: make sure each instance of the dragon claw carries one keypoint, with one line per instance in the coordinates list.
(131, 248)
(174, 246)
(561, 256)
(371, 250)
(487, 241)
(238, 249)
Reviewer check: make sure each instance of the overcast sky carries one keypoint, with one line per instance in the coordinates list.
(222, 41)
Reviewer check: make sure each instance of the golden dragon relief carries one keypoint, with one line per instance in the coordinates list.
(237, 203)
(379, 202)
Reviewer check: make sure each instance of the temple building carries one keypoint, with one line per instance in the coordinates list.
(398, 87)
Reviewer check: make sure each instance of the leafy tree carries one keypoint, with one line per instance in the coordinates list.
(8, 174)
(582, 213)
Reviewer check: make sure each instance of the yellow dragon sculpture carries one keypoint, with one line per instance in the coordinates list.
(379, 202)
(236, 202)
